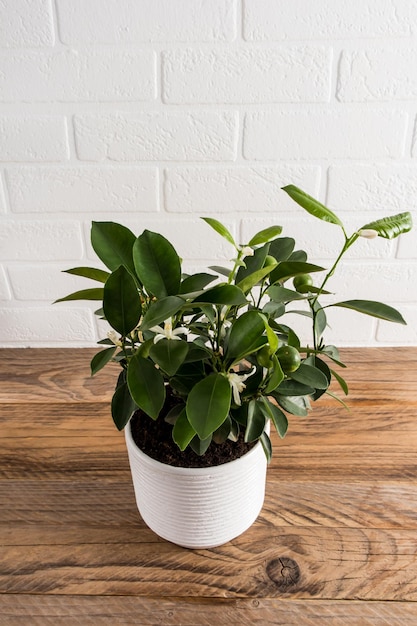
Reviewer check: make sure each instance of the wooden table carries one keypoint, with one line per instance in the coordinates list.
(336, 542)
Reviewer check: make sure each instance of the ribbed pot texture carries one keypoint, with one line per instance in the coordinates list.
(198, 507)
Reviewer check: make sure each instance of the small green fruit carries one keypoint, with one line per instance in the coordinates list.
(289, 359)
(302, 280)
(269, 260)
(264, 357)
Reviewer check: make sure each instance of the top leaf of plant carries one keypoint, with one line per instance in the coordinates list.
(311, 205)
(392, 226)
(219, 228)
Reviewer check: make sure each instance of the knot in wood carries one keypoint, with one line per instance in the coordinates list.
(284, 572)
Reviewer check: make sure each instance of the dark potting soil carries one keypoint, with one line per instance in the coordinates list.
(154, 437)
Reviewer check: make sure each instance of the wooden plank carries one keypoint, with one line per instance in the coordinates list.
(16, 610)
(27, 506)
(302, 563)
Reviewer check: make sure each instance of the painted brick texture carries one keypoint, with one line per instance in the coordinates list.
(154, 113)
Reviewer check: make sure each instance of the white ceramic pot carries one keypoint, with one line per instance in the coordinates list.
(198, 507)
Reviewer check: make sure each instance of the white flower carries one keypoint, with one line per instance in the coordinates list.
(247, 251)
(368, 233)
(167, 332)
(237, 384)
(114, 338)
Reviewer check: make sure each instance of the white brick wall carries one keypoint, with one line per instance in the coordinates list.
(154, 112)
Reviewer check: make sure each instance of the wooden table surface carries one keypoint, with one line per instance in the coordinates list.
(336, 542)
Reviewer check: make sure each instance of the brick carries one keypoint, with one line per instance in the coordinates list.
(182, 136)
(40, 240)
(323, 241)
(398, 334)
(129, 21)
(209, 190)
(407, 244)
(266, 20)
(73, 75)
(58, 189)
(26, 23)
(381, 188)
(354, 132)
(368, 75)
(291, 74)
(2, 196)
(45, 281)
(46, 326)
(33, 138)
(4, 285)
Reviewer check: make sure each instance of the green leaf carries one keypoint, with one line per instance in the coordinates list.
(296, 405)
(121, 301)
(376, 309)
(220, 270)
(252, 263)
(289, 387)
(278, 418)
(222, 433)
(312, 206)
(266, 445)
(265, 235)
(146, 385)
(282, 248)
(255, 421)
(245, 335)
(183, 433)
(288, 269)
(208, 404)
(281, 294)
(276, 376)
(220, 229)
(196, 282)
(89, 272)
(223, 294)
(391, 226)
(253, 279)
(122, 404)
(343, 384)
(199, 446)
(310, 376)
(157, 264)
(95, 293)
(101, 359)
(169, 354)
(160, 311)
(113, 244)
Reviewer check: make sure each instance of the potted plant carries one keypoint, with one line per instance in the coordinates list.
(208, 364)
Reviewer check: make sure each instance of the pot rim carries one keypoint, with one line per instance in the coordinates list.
(213, 469)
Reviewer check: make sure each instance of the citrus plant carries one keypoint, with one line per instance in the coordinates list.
(216, 340)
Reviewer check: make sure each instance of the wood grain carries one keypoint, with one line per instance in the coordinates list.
(336, 541)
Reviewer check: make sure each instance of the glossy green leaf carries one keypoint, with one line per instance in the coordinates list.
(265, 235)
(281, 248)
(183, 433)
(121, 301)
(255, 421)
(157, 264)
(101, 359)
(122, 406)
(289, 387)
(288, 269)
(343, 384)
(222, 433)
(113, 244)
(375, 309)
(276, 376)
(95, 293)
(282, 294)
(220, 229)
(169, 354)
(196, 282)
(278, 418)
(89, 272)
(199, 446)
(208, 404)
(312, 206)
(296, 405)
(146, 385)
(391, 226)
(252, 263)
(267, 446)
(224, 271)
(253, 279)
(310, 376)
(223, 294)
(245, 335)
(161, 310)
